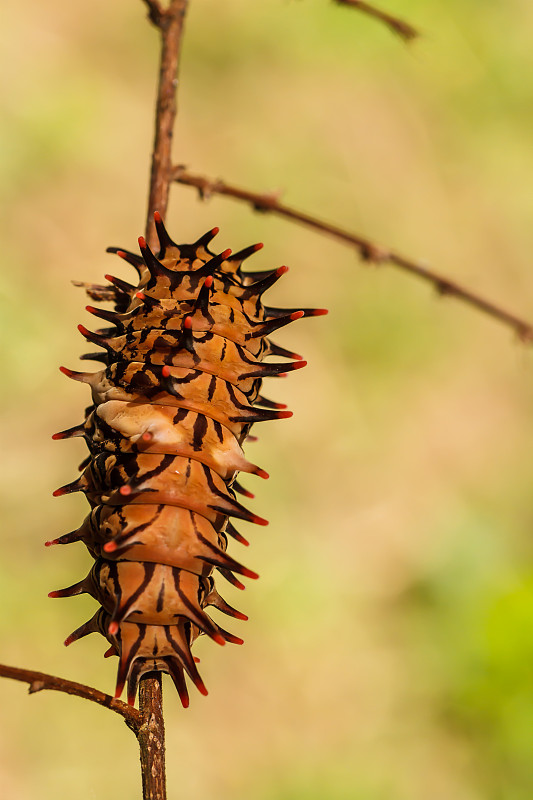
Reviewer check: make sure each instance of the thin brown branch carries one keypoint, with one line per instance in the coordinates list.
(403, 29)
(170, 24)
(151, 738)
(38, 681)
(368, 250)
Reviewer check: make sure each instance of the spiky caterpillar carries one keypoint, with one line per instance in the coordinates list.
(171, 409)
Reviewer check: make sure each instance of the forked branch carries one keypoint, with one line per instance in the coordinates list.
(368, 250)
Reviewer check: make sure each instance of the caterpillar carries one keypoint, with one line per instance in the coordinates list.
(171, 408)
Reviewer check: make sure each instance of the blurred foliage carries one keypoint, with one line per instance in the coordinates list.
(389, 654)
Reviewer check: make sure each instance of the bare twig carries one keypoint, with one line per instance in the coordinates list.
(403, 29)
(39, 681)
(151, 737)
(368, 250)
(171, 27)
(170, 23)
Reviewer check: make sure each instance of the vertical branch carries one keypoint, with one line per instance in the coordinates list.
(170, 22)
(151, 737)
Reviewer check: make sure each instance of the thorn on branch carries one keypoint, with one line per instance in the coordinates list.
(525, 334)
(206, 191)
(443, 287)
(205, 187)
(373, 253)
(406, 31)
(267, 201)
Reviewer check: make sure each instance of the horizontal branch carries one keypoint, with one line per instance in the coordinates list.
(39, 681)
(368, 250)
(403, 29)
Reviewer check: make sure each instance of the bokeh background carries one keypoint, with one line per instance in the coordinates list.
(389, 653)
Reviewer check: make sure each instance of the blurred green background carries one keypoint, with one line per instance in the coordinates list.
(389, 653)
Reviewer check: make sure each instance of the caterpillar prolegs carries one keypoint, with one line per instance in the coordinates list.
(171, 408)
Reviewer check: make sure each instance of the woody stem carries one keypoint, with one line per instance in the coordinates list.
(170, 23)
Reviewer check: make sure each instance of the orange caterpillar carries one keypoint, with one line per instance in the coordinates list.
(171, 409)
